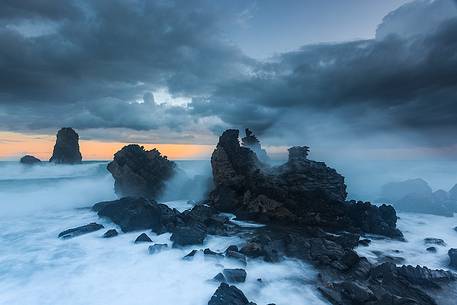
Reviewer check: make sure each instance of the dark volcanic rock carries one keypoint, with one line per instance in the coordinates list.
(219, 278)
(66, 149)
(140, 172)
(137, 213)
(301, 191)
(29, 160)
(452, 257)
(143, 238)
(70, 233)
(228, 295)
(434, 241)
(189, 235)
(110, 233)
(157, 248)
(235, 275)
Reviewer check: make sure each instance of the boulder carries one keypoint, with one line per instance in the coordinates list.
(431, 249)
(110, 233)
(452, 257)
(140, 172)
(70, 233)
(228, 295)
(137, 213)
(185, 235)
(157, 248)
(66, 149)
(142, 238)
(235, 275)
(29, 160)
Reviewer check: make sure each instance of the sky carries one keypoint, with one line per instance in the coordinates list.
(352, 79)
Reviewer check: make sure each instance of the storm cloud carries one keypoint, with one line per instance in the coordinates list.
(97, 64)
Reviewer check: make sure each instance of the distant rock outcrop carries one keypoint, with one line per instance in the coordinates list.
(250, 141)
(140, 172)
(66, 149)
(29, 160)
(301, 191)
(415, 195)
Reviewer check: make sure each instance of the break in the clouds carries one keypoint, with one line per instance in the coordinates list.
(98, 65)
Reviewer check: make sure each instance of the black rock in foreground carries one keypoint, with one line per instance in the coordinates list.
(140, 172)
(136, 213)
(29, 160)
(66, 149)
(228, 295)
(70, 233)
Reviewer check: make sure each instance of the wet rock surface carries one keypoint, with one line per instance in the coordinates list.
(66, 149)
(143, 238)
(234, 275)
(110, 233)
(140, 172)
(29, 160)
(452, 253)
(156, 248)
(228, 295)
(137, 213)
(73, 232)
(300, 191)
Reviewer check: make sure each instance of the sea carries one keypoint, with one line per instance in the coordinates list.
(38, 268)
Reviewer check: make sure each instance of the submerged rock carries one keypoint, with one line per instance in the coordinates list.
(70, 233)
(29, 160)
(235, 275)
(434, 241)
(140, 172)
(228, 295)
(110, 233)
(137, 213)
(66, 149)
(157, 248)
(143, 238)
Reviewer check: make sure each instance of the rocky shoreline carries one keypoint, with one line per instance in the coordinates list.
(303, 206)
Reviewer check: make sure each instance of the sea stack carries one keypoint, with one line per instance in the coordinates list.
(29, 160)
(140, 172)
(66, 149)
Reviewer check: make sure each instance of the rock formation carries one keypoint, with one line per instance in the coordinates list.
(415, 195)
(29, 160)
(301, 191)
(66, 149)
(250, 141)
(73, 232)
(140, 172)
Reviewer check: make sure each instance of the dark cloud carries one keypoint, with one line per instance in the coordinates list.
(95, 64)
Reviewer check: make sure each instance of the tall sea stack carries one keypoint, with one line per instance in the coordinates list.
(66, 149)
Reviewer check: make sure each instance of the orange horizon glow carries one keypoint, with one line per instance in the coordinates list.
(15, 145)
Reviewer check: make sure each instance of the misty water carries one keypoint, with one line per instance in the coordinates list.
(37, 268)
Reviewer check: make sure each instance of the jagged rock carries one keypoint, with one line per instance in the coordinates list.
(70, 233)
(140, 172)
(189, 235)
(235, 275)
(137, 213)
(29, 160)
(452, 257)
(250, 141)
(228, 295)
(301, 191)
(219, 278)
(66, 149)
(143, 238)
(157, 248)
(434, 241)
(110, 233)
